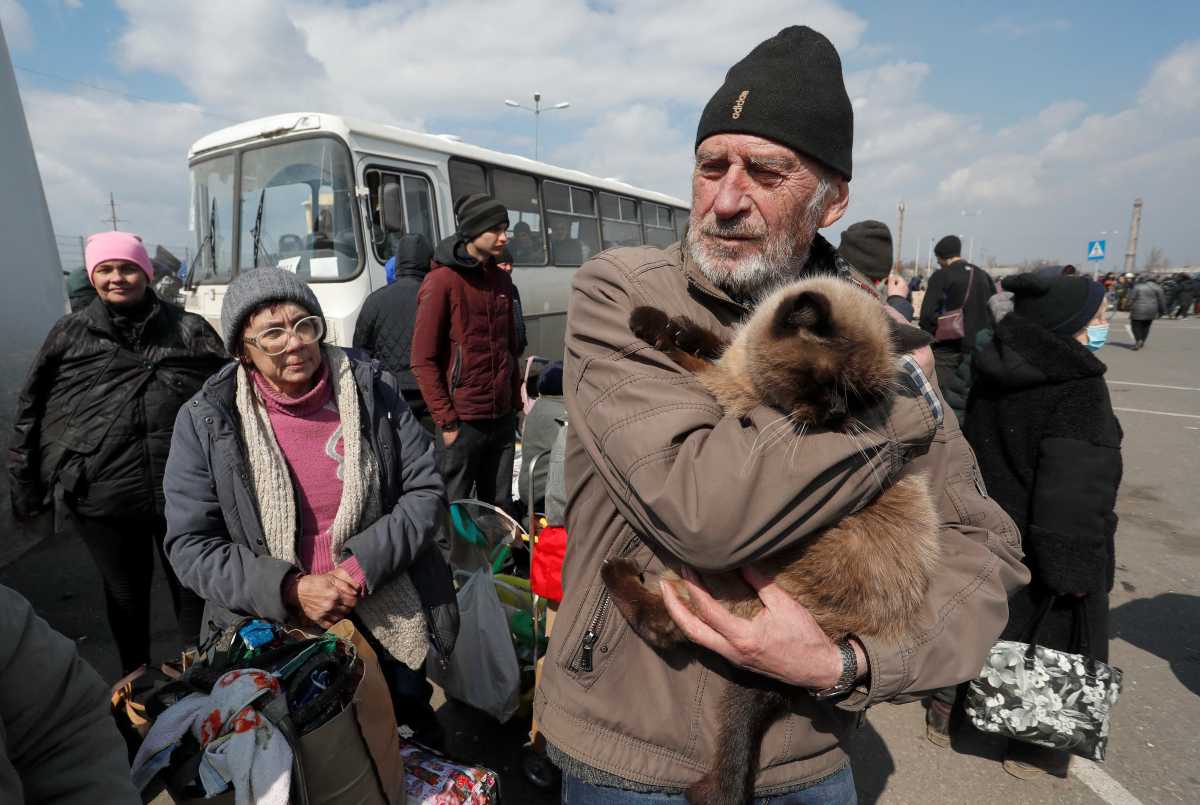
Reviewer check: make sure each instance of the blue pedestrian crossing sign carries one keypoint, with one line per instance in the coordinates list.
(1096, 249)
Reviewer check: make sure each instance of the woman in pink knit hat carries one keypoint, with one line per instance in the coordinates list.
(93, 429)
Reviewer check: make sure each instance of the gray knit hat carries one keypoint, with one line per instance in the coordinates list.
(256, 287)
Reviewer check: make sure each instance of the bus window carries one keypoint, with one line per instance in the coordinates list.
(518, 192)
(212, 208)
(297, 209)
(657, 219)
(571, 219)
(466, 178)
(681, 222)
(619, 221)
(417, 198)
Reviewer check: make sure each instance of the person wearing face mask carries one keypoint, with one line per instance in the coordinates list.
(93, 429)
(1049, 447)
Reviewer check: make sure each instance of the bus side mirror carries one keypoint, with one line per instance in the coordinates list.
(392, 208)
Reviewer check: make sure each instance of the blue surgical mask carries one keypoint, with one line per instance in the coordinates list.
(1097, 336)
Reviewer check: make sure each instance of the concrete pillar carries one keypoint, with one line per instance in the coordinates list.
(33, 297)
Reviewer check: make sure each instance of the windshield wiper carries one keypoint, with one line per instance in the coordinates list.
(210, 241)
(257, 231)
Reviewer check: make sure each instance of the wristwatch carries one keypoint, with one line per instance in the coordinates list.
(849, 673)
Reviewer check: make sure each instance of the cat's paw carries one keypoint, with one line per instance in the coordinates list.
(642, 609)
(693, 339)
(651, 325)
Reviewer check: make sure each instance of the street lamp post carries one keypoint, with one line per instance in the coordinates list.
(537, 117)
(971, 252)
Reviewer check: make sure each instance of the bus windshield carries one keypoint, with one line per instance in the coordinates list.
(296, 211)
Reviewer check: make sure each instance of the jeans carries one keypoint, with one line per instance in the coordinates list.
(836, 789)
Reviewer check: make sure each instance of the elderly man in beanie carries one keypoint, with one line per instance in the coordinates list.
(956, 285)
(464, 353)
(657, 472)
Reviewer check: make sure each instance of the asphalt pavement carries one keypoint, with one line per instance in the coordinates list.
(1154, 752)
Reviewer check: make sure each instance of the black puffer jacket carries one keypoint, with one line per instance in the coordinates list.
(1049, 446)
(385, 325)
(95, 416)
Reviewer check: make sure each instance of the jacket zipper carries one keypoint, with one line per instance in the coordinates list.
(455, 370)
(592, 635)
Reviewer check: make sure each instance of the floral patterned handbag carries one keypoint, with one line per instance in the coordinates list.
(1044, 696)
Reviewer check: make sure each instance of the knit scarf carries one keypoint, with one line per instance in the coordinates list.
(392, 612)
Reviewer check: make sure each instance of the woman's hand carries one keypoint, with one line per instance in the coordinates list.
(449, 436)
(324, 599)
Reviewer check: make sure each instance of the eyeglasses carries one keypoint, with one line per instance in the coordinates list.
(274, 340)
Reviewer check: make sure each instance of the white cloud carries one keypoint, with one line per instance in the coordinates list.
(636, 88)
(18, 33)
(1014, 29)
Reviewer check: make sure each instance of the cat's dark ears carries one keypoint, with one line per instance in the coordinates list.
(906, 338)
(807, 310)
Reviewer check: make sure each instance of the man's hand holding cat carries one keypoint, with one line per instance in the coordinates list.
(782, 642)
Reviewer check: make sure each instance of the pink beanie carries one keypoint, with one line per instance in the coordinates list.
(117, 246)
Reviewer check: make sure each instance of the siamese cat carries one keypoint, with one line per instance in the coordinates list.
(822, 351)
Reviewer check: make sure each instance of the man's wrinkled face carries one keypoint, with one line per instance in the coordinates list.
(756, 207)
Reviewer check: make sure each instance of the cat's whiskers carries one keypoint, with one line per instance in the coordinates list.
(855, 437)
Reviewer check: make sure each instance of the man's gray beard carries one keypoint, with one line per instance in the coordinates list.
(781, 260)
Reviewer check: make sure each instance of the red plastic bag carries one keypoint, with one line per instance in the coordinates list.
(545, 574)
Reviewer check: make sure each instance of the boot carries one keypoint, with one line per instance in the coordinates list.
(937, 723)
(1138, 345)
(1029, 761)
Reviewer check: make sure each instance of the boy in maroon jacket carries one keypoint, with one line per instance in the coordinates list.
(464, 353)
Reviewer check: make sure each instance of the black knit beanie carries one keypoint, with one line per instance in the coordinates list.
(949, 246)
(478, 213)
(1063, 305)
(789, 89)
(867, 246)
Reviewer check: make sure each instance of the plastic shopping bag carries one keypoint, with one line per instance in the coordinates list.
(483, 670)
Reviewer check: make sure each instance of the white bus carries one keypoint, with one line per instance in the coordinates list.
(326, 197)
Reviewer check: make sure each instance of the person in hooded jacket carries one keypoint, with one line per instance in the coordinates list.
(464, 354)
(1049, 445)
(93, 430)
(1147, 302)
(385, 324)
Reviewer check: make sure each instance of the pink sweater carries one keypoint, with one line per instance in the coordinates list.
(309, 432)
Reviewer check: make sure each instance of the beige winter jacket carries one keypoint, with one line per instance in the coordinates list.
(657, 472)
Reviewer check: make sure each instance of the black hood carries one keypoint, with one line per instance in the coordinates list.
(452, 252)
(1024, 354)
(413, 254)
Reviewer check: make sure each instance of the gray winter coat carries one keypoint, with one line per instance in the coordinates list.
(58, 742)
(214, 535)
(1149, 301)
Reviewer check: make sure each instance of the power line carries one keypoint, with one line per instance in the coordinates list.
(173, 104)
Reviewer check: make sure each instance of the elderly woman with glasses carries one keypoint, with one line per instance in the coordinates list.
(301, 489)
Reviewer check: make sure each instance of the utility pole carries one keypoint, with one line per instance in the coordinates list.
(1135, 224)
(82, 250)
(899, 237)
(112, 211)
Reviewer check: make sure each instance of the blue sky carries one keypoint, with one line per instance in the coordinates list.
(952, 96)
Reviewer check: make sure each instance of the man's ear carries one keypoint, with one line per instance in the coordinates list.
(908, 339)
(837, 208)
